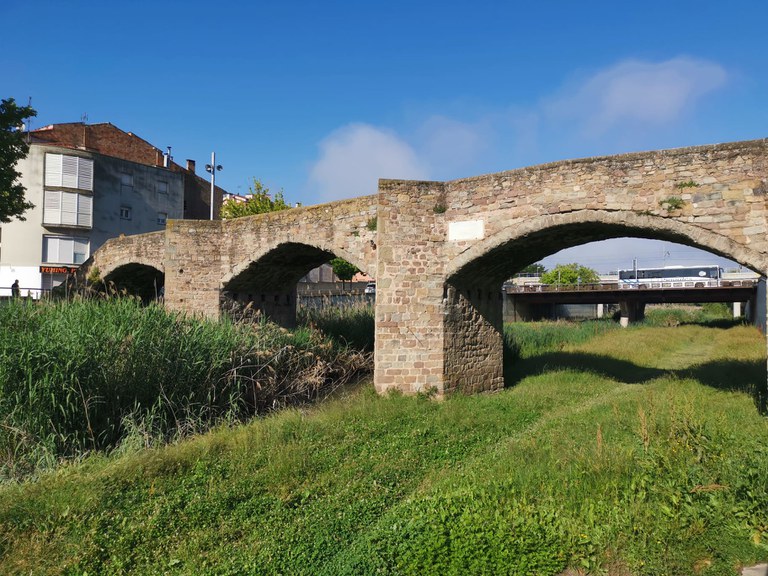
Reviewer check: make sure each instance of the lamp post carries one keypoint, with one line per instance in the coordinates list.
(211, 169)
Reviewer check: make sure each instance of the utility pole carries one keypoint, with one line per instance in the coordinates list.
(211, 169)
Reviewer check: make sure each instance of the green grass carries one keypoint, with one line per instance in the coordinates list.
(627, 452)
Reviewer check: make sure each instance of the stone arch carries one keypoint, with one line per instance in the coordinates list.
(303, 254)
(144, 279)
(535, 238)
(269, 281)
(472, 302)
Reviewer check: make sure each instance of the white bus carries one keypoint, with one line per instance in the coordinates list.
(671, 277)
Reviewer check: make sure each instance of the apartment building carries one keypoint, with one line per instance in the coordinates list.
(90, 183)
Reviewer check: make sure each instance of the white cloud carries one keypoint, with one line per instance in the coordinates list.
(450, 146)
(354, 157)
(636, 93)
(630, 105)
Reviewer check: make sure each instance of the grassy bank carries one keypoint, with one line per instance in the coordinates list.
(634, 452)
(92, 374)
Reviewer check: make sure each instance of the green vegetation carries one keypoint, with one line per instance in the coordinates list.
(570, 274)
(259, 201)
(351, 325)
(626, 452)
(672, 203)
(343, 270)
(13, 147)
(687, 184)
(440, 208)
(85, 375)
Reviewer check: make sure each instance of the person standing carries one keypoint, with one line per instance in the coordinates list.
(15, 292)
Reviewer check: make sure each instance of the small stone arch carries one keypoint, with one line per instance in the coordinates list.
(144, 279)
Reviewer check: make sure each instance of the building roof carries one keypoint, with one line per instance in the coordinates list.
(106, 138)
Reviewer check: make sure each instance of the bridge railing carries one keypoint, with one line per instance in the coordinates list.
(510, 288)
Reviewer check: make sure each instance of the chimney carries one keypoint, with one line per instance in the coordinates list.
(191, 165)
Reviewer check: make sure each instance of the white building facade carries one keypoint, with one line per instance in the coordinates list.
(82, 198)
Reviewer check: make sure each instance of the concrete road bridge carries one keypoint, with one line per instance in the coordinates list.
(529, 303)
(440, 251)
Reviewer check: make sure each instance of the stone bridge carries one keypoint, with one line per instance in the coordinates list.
(440, 251)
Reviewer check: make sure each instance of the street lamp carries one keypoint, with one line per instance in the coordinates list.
(211, 169)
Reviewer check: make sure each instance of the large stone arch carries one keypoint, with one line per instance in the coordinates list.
(445, 247)
(472, 319)
(534, 238)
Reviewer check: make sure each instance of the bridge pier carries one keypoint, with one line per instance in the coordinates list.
(473, 340)
(631, 311)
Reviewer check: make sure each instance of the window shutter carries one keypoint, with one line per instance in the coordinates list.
(69, 208)
(84, 210)
(53, 169)
(66, 250)
(85, 174)
(69, 171)
(51, 249)
(52, 207)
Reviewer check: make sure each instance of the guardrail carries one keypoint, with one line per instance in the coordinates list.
(611, 286)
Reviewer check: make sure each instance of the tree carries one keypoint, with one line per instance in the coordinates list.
(570, 274)
(343, 270)
(13, 147)
(258, 201)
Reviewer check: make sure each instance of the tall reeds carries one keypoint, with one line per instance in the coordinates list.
(77, 376)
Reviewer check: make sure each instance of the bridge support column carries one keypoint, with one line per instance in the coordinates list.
(193, 267)
(631, 311)
(431, 336)
(515, 310)
(473, 340)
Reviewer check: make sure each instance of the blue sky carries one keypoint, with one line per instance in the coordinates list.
(323, 98)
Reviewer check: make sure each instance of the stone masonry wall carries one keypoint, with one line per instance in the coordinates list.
(147, 249)
(203, 256)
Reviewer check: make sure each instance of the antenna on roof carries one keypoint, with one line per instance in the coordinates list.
(84, 118)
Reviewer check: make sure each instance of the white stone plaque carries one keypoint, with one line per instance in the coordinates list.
(467, 230)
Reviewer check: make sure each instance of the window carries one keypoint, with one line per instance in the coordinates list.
(69, 172)
(162, 187)
(125, 212)
(67, 209)
(126, 182)
(64, 250)
(162, 218)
